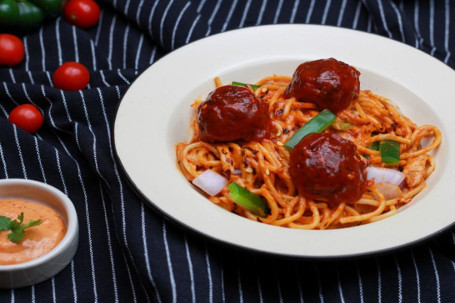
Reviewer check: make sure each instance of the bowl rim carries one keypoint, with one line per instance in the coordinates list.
(72, 227)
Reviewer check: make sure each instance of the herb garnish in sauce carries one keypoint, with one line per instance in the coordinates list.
(16, 227)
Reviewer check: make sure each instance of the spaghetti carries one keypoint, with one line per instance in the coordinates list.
(263, 166)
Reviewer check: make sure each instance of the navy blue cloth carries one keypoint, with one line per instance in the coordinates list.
(129, 253)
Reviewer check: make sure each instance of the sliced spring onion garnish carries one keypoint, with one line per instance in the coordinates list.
(317, 124)
(210, 182)
(248, 200)
(390, 152)
(253, 86)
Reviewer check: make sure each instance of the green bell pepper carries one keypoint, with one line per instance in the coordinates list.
(23, 16)
(248, 200)
(390, 152)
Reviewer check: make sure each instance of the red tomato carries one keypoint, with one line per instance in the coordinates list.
(11, 50)
(82, 13)
(27, 117)
(71, 76)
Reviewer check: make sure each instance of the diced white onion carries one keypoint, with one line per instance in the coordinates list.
(381, 174)
(389, 190)
(210, 182)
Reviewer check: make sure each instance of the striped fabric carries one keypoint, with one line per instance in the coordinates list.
(129, 253)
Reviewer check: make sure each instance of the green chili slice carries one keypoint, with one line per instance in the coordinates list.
(317, 124)
(248, 200)
(390, 151)
(253, 86)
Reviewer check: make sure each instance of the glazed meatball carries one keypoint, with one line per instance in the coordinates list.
(232, 113)
(327, 166)
(329, 83)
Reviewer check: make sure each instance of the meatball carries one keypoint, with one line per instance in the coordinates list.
(329, 83)
(232, 113)
(327, 166)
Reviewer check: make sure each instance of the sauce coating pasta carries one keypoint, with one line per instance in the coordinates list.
(264, 166)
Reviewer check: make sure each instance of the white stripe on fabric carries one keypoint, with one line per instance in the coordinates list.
(146, 255)
(109, 245)
(400, 280)
(201, 6)
(93, 51)
(356, 15)
(169, 264)
(193, 25)
(277, 282)
(29, 73)
(212, 17)
(66, 106)
(239, 282)
(431, 28)
(2, 156)
(152, 13)
(340, 287)
(310, 11)
(379, 282)
(229, 16)
(57, 37)
(190, 269)
(277, 12)
(177, 22)
(19, 150)
(26, 53)
(11, 73)
(400, 21)
(76, 47)
(326, 11)
(139, 52)
(125, 45)
(139, 11)
(119, 72)
(163, 19)
(43, 52)
(318, 279)
(87, 216)
(99, 27)
(294, 11)
(341, 14)
(359, 278)
(209, 273)
(258, 282)
(54, 294)
(261, 12)
(299, 282)
(65, 190)
(9, 96)
(245, 14)
(121, 191)
(383, 19)
(436, 275)
(126, 8)
(38, 156)
(447, 31)
(111, 42)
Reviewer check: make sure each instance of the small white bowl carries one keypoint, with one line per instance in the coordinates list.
(48, 265)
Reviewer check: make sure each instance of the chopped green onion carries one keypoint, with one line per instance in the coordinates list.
(248, 200)
(341, 125)
(375, 145)
(253, 86)
(390, 152)
(317, 124)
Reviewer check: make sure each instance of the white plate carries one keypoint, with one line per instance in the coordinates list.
(155, 114)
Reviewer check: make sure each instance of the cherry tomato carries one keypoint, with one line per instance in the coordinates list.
(27, 117)
(71, 76)
(82, 13)
(11, 50)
